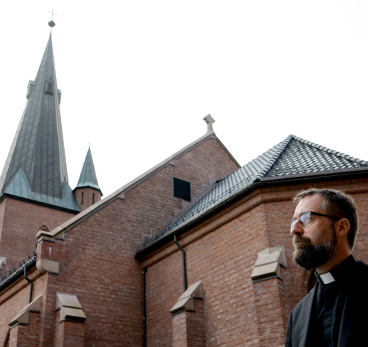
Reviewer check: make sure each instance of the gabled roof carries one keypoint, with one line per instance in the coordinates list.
(88, 176)
(36, 167)
(120, 193)
(293, 156)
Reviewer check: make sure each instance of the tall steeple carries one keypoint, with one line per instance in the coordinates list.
(36, 166)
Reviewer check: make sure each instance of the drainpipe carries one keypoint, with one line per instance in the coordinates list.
(144, 308)
(184, 264)
(31, 285)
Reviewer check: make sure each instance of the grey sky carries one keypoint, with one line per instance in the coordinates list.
(137, 77)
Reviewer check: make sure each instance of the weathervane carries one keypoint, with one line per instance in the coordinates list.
(51, 22)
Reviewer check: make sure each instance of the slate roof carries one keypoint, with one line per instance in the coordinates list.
(18, 270)
(36, 167)
(88, 176)
(293, 156)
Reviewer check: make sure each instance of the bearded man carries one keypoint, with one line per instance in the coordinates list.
(335, 312)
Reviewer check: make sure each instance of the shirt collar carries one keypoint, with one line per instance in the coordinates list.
(338, 273)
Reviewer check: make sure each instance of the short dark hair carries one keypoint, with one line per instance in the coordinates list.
(338, 204)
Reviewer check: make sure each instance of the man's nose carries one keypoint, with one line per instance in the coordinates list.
(297, 229)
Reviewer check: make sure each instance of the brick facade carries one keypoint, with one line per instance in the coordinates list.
(20, 221)
(221, 252)
(86, 197)
(95, 253)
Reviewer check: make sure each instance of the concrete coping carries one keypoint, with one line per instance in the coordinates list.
(186, 300)
(23, 316)
(2, 262)
(67, 300)
(267, 265)
(67, 313)
(271, 255)
(46, 265)
(70, 307)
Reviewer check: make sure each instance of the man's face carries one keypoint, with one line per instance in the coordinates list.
(314, 243)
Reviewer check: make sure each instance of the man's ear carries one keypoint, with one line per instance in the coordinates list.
(342, 227)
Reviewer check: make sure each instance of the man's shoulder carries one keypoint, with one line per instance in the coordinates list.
(308, 297)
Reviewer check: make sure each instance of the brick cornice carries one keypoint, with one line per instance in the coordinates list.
(226, 215)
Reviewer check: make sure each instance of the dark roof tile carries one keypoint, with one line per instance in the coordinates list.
(293, 156)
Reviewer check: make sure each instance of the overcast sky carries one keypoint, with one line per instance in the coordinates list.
(137, 77)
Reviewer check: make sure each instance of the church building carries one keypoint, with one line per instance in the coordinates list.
(195, 252)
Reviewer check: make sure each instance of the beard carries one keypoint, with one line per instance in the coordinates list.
(311, 256)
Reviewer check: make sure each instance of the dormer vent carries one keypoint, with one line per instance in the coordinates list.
(182, 189)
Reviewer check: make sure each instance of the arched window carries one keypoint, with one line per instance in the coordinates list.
(93, 198)
(82, 198)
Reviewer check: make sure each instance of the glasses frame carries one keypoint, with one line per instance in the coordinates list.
(294, 221)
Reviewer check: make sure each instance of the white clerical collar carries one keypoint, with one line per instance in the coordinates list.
(327, 278)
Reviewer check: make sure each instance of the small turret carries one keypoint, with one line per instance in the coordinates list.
(87, 191)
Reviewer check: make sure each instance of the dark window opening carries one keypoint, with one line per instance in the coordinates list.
(82, 197)
(182, 189)
(93, 198)
(49, 88)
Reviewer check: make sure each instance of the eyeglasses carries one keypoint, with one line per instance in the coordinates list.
(305, 218)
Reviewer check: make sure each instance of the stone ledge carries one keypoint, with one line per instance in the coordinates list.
(70, 307)
(45, 265)
(23, 316)
(2, 262)
(186, 300)
(267, 265)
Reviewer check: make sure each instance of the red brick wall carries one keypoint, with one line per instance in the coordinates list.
(90, 197)
(97, 257)
(223, 260)
(20, 224)
(68, 334)
(15, 298)
(189, 327)
(271, 330)
(26, 335)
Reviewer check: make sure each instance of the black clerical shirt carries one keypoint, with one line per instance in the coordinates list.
(328, 304)
(335, 313)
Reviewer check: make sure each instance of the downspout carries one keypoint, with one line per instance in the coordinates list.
(144, 308)
(31, 285)
(184, 264)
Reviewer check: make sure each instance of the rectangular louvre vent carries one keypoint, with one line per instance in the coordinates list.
(182, 189)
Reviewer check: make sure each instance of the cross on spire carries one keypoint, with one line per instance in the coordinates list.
(52, 14)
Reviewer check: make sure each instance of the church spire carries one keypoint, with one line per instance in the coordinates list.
(88, 176)
(36, 166)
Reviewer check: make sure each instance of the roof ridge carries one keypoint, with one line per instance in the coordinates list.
(328, 150)
(272, 161)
